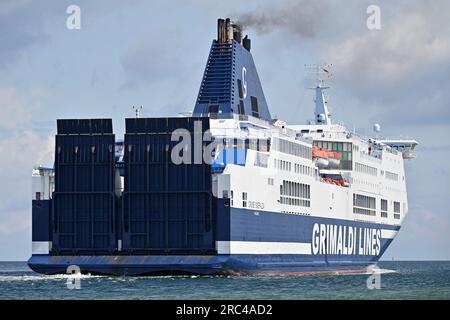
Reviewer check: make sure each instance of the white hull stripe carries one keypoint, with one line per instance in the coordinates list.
(250, 247)
(388, 234)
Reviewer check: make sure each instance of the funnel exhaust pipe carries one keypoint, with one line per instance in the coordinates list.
(227, 31)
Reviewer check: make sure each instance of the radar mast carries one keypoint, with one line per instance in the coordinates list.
(319, 73)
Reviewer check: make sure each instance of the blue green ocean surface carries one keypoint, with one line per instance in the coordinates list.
(398, 280)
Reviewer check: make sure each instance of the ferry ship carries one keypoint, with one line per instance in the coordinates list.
(227, 189)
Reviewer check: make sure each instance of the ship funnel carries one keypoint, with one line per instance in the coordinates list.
(231, 83)
(228, 31)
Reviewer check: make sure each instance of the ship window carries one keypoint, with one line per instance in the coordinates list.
(255, 111)
(231, 197)
(362, 168)
(261, 160)
(250, 144)
(241, 93)
(391, 176)
(384, 208)
(364, 205)
(38, 196)
(244, 199)
(396, 207)
(241, 107)
(264, 145)
(345, 147)
(384, 205)
(294, 193)
(292, 148)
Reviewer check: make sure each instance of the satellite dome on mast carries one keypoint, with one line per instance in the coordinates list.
(376, 127)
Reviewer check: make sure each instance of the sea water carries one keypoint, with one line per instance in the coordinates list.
(395, 280)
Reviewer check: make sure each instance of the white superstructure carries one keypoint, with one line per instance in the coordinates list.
(287, 169)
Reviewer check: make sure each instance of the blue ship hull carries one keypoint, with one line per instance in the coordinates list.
(191, 265)
(236, 225)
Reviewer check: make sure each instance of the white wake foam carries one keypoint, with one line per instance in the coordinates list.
(8, 278)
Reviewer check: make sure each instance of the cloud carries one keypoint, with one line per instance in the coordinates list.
(22, 149)
(428, 224)
(10, 6)
(303, 18)
(421, 240)
(26, 25)
(15, 221)
(22, 25)
(401, 52)
(401, 68)
(149, 61)
(17, 111)
(439, 148)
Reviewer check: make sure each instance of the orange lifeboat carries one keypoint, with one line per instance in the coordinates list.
(325, 159)
(340, 183)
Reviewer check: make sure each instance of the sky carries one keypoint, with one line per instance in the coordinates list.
(153, 53)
